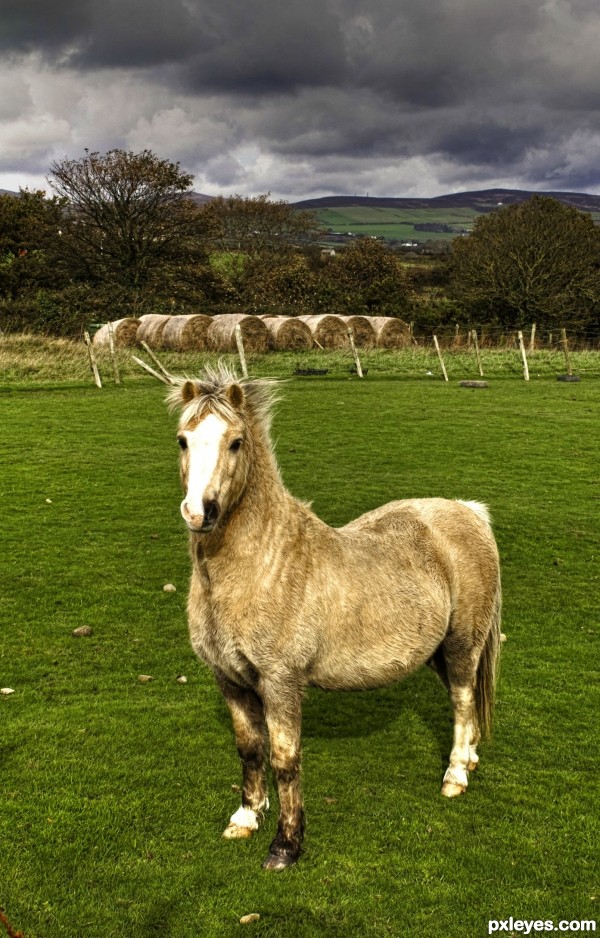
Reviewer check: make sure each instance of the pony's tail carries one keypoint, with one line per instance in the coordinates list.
(487, 670)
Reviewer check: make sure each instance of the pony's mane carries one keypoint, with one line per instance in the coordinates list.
(212, 385)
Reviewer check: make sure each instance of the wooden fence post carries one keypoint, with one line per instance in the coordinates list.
(92, 359)
(359, 371)
(437, 348)
(523, 356)
(160, 367)
(240, 347)
(532, 338)
(565, 345)
(477, 355)
(155, 374)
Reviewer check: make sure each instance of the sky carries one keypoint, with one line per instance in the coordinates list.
(307, 98)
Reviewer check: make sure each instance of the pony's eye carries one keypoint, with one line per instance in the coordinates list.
(235, 445)
(182, 442)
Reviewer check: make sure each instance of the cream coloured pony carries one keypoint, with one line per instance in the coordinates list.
(279, 600)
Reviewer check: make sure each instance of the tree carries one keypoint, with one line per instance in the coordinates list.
(368, 278)
(252, 236)
(29, 225)
(131, 224)
(538, 261)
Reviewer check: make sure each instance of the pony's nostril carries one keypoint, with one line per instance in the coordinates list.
(211, 511)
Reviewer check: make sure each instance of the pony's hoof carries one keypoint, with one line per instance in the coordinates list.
(275, 862)
(235, 832)
(452, 789)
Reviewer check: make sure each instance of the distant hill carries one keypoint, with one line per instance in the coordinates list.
(478, 201)
(200, 199)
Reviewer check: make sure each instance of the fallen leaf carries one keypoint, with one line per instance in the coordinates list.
(181, 679)
(145, 678)
(6, 691)
(169, 588)
(248, 919)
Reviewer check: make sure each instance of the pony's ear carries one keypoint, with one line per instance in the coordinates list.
(189, 391)
(235, 396)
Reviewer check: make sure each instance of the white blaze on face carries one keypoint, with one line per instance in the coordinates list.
(203, 455)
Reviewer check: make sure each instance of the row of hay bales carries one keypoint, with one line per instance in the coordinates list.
(259, 333)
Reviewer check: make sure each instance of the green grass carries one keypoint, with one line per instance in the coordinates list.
(113, 793)
(28, 361)
(396, 223)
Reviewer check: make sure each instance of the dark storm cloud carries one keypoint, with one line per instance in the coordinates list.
(476, 88)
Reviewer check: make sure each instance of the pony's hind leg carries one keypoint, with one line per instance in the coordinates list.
(463, 756)
(461, 659)
(249, 726)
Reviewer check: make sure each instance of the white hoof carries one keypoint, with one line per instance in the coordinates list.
(455, 782)
(242, 824)
(235, 832)
(451, 789)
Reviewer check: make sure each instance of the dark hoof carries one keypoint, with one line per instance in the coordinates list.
(278, 862)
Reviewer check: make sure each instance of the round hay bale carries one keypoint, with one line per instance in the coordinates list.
(362, 330)
(124, 332)
(186, 332)
(151, 329)
(328, 331)
(221, 333)
(287, 332)
(390, 332)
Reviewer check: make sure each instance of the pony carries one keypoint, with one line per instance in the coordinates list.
(279, 600)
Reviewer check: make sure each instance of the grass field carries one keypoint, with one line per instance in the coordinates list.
(113, 793)
(395, 223)
(28, 361)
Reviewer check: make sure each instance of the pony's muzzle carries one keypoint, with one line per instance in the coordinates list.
(201, 523)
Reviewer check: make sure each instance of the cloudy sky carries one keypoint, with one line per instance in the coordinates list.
(305, 98)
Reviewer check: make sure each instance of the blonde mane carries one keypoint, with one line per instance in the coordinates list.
(212, 385)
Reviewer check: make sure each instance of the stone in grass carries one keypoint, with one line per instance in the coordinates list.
(6, 691)
(181, 679)
(169, 588)
(83, 631)
(248, 919)
(145, 678)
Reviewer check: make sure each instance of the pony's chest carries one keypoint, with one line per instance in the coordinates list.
(218, 635)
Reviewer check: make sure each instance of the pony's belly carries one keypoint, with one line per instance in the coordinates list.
(352, 673)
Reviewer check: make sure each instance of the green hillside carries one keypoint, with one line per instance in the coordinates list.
(393, 223)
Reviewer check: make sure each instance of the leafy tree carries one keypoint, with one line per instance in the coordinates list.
(29, 225)
(252, 236)
(132, 224)
(368, 278)
(538, 261)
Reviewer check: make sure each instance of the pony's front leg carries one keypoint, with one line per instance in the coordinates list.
(249, 726)
(284, 716)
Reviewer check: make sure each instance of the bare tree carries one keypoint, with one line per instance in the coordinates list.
(251, 234)
(130, 221)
